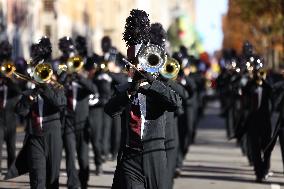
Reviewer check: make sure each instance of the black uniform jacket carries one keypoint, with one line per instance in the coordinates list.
(81, 112)
(171, 116)
(103, 82)
(13, 92)
(159, 99)
(257, 120)
(53, 101)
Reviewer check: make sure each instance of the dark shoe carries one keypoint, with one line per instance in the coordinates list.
(103, 158)
(109, 157)
(250, 163)
(99, 170)
(177, 172)
(114, 157)
(259, 180)
(267, 175)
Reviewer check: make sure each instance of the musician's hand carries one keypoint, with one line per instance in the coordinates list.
(143, 84)
(134, 86)
(75, 76)
(32, 98)
(138, 77)
(162, 78)
(149, 77)
(33, 95)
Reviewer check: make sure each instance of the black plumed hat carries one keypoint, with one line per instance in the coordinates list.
(5, 50)
(46, 48)
(158, 35)
(137, 28)
(106, 43)
(41, 50)
(66, 44)
(247, 48)
(81, 45)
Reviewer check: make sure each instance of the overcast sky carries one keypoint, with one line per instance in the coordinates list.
(209, 22)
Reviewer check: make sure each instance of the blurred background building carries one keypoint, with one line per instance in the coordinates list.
(200, 25)
(25, 21)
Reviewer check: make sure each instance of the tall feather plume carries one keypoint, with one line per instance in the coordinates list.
(41, 50)
(137, 28)
(158, 35)
(5, 50)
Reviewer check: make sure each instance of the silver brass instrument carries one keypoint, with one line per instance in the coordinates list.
(151, 58)
(170, 69)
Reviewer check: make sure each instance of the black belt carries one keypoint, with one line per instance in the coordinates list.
(51, 117)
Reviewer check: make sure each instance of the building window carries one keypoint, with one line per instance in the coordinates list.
(48, 5)
(47, 30)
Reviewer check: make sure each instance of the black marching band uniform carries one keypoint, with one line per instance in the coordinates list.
(9, 95)
(142, 160)
(258, 123)
(146, 120)
(76, 133)
(105, 81)
(41, 152)
(247, 83)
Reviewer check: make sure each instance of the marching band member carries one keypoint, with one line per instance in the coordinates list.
(9, 95)
(75, 135)
(41, 153)
(167, 75)
(186, 118)
(258, 123)
(142, 105)
(104, 79)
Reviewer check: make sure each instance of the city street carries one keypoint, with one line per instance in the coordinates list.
(212, 163)
(216, 67)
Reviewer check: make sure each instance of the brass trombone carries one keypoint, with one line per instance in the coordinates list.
(42, 73)
(8, 69)
(75, 64)
(170, 69)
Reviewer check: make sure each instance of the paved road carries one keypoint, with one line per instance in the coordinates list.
(212, 163)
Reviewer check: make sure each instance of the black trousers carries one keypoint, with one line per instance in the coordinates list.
(230, 122)
(172, 146)
(257, 144)
(281, 141)
(76, 141)
(141, 170)
(95, 129)
(185, 133)
(172, 154)
(44, 159)
(116, 135)
(106, 134)
(8, 134)
(246, 148)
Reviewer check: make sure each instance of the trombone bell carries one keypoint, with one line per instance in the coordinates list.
(42, 72)
(74, 64)
(8, 68)
(170, 69)
(151, 58)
